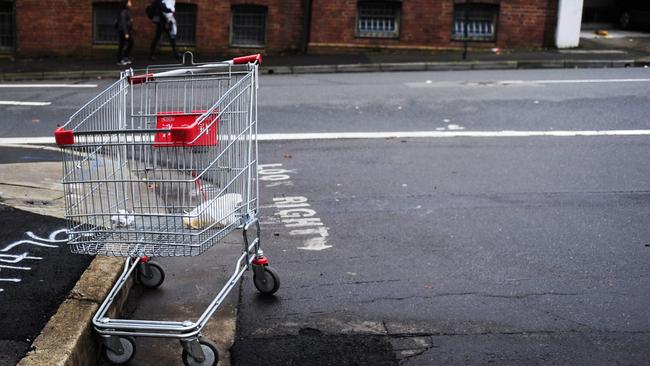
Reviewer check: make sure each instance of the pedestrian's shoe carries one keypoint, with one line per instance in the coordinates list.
(123, 63)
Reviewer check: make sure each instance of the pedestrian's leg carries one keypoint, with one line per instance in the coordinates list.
(129, 46)
(154, 41)
(172, 42)
(176, 53)
(120, 48)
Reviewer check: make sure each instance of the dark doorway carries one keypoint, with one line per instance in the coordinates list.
(7, 26)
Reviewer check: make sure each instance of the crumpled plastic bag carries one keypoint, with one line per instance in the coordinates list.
(124, 219)
(219, 210)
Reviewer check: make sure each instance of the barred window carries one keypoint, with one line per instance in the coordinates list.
(481, 22)
(248, 26)
(186, 22)
(7, 34)
(378, 19)
(104, 16)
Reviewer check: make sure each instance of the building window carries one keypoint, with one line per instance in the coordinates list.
(7, 34)
(104, 16)
(248, 26)
(186, 22)
(378, 19)
(481, 22)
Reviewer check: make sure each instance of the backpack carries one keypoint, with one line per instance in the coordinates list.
(153, 11)
(150, 11)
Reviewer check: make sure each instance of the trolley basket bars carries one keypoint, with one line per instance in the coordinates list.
(163, 163)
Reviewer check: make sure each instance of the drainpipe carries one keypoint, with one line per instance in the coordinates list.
(306, 26)
(569, 22)
(465, 32)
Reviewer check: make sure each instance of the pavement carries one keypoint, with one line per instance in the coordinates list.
(34, 186)
(617, 49)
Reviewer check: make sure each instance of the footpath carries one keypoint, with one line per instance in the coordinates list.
(619, 49)
(68, 339)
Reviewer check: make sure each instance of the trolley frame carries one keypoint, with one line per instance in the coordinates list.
(84, 142)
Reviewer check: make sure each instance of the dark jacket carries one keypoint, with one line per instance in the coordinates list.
(124, 22)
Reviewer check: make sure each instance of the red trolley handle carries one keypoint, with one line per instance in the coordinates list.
(250, 59)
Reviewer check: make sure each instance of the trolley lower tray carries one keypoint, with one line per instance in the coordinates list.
(160, 238)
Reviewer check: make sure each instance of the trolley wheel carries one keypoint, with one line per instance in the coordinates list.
(128, 345)
(155, 278)
(209, 350)
(268, 282)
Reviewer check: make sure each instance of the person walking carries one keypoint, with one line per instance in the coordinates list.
(165, 22)
(124, 27)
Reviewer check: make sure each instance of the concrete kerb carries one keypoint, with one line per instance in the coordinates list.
(407, 66)
(68, 338)
(642, 62)
(366, 67)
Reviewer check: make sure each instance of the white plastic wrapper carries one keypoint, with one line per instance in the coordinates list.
(220, 210)
(124, 219)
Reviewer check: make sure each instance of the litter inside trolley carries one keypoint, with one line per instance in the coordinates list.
(163, 163)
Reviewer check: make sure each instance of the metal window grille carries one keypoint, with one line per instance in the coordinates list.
(104, 16)
(481, 22)
(378, 19)
(248, 26)
(6, 26)
(186, 22)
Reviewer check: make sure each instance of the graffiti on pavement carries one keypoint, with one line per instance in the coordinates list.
(12, 262)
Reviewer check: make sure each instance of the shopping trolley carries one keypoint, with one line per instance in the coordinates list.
(163, 163)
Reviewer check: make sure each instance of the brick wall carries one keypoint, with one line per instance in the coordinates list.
(64, 27)
(54, 27)
(427, 25)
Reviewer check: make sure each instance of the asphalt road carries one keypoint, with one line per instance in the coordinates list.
(506, 250)
(460, 251)
(409, 101)
(455, 250)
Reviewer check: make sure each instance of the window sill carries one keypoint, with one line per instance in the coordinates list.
(479, 40)
(377, 35)
(247, 46)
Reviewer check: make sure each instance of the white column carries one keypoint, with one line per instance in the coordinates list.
(569, 20)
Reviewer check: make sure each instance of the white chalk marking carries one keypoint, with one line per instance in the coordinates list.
(52, 238)
(19, 103)
(10, 279)
(13, 245)
(16, 258)
(15, 267)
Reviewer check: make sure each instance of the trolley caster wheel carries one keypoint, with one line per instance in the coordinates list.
(209, 351)
(151, 275)
(128, 351)
(266, 279)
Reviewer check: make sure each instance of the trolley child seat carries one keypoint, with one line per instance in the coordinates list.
(163, 163)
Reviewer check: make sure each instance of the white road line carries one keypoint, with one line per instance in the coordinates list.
(48, 85)
(16, 102)
(576, 81)
(445, 134)
(387, 135)
(492, 83)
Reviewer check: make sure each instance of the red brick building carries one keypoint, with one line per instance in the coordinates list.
(85, 27)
